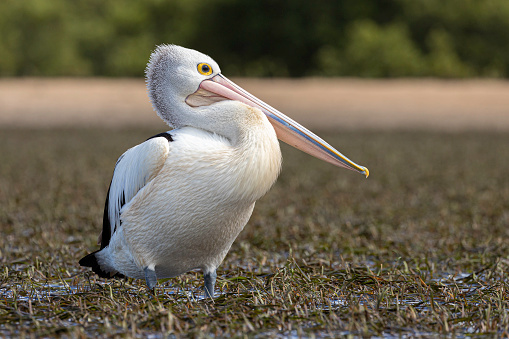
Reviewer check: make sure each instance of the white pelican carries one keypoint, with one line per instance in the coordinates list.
(177, 201)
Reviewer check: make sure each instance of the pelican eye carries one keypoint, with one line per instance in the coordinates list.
(204, 69)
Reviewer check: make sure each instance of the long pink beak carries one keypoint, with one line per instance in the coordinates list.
(287, 130)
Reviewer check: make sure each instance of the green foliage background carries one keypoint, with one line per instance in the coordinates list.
(367, 38)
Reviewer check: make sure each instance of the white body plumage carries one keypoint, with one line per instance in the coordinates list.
(197, 194)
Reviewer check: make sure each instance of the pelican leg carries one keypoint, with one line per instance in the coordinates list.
(150, 277)
(210, 281)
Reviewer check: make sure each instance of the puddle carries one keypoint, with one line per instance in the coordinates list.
(38, 291)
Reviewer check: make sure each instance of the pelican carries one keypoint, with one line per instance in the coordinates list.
(178, 201)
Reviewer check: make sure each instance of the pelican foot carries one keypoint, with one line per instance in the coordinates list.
(210, 281)
(150, 277)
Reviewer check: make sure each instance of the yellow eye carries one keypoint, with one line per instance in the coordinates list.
(204, 69)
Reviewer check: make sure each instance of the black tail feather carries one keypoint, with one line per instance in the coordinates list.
(91, 261)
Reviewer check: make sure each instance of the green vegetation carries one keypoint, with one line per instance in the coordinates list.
(372, 38)
(418, 248)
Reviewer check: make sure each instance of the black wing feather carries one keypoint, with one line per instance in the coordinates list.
(164, 135)
(90, 260)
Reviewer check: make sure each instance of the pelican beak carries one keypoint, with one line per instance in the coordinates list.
(291, 132)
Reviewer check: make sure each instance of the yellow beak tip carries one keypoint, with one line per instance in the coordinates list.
(366, 172)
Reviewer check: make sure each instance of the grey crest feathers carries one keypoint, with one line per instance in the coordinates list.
(157, 82)
(173, 68)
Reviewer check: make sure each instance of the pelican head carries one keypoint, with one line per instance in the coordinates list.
(181, 82)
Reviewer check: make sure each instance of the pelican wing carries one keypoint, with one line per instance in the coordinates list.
(133, 170)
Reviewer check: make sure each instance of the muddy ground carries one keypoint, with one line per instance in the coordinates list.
(316, 103)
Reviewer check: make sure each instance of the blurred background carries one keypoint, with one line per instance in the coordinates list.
(370, 63)
(367, 38)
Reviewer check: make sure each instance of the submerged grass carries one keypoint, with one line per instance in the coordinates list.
(420, 248)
